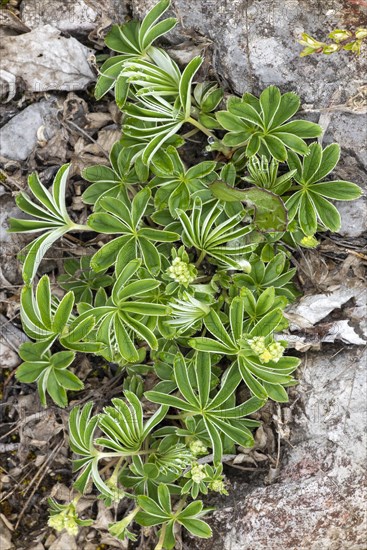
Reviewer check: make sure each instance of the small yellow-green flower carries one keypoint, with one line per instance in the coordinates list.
(266, 356)
(197, 447)
(309, 242)
(361, 33)
(64, 520)
(276, 350)
(120, 528)
(198, 473)
(257, 344)
(218, 486)
(182, 272)
(271, 353)
(64, 516)
(339, 35)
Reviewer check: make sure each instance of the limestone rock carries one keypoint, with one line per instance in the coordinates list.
(11, 243)
(77, 17)
(318, 503)
(19, 136)
(255, 43)
(354, 217)
(46, 60)
(74, 16)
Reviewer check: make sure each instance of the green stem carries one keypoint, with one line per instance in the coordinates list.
(202, 128)
(182, 416)
(122, 454)
(159, 545)
(181, 503)
(201, 258)
(113, 479)
(191, 133)
(78, 227)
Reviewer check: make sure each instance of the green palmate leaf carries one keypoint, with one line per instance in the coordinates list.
(125, 316)
(133, 41)
(124, 217)
(176, 186)
(113, 181)
(309, 205)
(50, 216)
(261, 125)
(164, 100)
(123, 434)
(270, 212)
(161, 513)
(49, 371)
(217, 418)
(201, 232)
(45, 321)
(259, 357)
(82, 280)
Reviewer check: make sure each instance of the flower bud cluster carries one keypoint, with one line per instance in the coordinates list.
(197, 447)
(218, 486)
(64, 520)
(273, 352)
(182, 272)
(257, 344)
(309, 242)
(198, 473)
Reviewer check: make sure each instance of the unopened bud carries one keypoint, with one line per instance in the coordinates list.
(340, 35)
(361, 33)
(309, 242)
(330, 48)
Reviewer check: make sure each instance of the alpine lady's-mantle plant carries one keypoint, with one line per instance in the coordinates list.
(189, 286)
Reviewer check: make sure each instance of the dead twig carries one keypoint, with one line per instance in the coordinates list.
(43, 472)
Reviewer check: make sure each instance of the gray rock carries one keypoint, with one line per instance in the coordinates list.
(74, 16)
(255, 43)
(10, 244)
(46, 60)
(319, 501)
(350, 130)
(354, 217)
(78, 17)
(19, 136)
